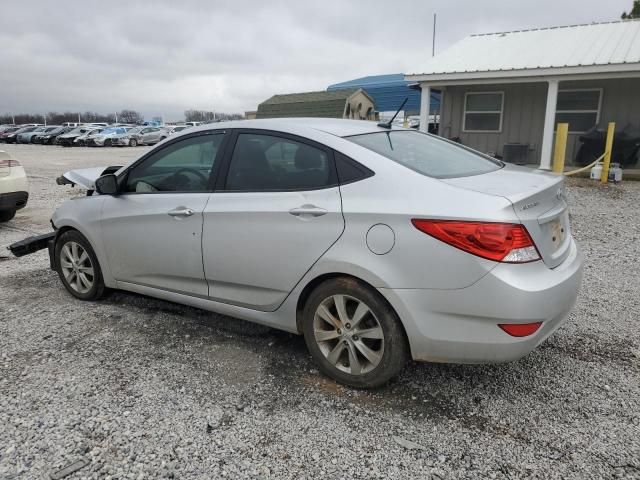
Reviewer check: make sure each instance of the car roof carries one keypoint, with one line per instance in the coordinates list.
(334, 126)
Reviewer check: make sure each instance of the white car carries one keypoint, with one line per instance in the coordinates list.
(13, 187)
(378, 244)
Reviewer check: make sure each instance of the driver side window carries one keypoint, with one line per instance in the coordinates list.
(184, 166)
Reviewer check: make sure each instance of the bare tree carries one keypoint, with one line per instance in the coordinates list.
(130, 116)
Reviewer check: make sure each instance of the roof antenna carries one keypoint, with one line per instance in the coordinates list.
(390, 122)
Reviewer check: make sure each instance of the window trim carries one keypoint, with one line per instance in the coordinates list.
(221, 181)
(215, 170)
(600, 90)
(465, 111)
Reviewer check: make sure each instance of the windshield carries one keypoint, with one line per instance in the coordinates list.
(427, 154)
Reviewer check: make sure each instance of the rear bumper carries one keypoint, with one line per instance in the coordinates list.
(461, 326)
(13, 200)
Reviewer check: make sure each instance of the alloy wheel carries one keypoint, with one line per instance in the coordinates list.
(348, 334)
(76, 267)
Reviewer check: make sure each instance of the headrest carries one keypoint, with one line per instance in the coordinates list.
(308, 157)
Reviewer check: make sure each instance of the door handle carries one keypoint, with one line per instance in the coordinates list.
(181, 212)
(310, 210)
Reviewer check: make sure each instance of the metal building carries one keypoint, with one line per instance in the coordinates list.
(389, 91)
(505, 92)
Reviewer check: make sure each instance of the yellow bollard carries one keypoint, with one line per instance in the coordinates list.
(559, 152)
(607, 152)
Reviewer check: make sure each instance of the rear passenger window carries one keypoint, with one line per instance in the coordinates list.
(349, 170)
(270, 163)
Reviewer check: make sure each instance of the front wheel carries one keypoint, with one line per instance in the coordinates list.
(133, 142)
(78, 267)
(354, 336)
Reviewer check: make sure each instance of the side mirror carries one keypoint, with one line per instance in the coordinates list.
(107, 184)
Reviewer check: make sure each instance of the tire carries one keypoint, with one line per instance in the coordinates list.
(107, 142)
(6, 215)
(385, 343)
(69, 249)
(133, 142)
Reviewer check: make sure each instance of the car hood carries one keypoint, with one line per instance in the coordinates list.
(85, 177)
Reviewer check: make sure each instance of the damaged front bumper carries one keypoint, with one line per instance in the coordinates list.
(33, 244)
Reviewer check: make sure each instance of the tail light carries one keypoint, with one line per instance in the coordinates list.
(500, 242)
(9, 163)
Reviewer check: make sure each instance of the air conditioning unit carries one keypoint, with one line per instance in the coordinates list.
(515, 153)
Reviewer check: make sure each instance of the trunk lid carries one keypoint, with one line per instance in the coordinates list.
(539, 202)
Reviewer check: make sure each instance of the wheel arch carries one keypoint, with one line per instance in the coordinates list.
(320, 279)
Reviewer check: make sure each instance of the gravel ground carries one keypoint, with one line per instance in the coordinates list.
(140, 388)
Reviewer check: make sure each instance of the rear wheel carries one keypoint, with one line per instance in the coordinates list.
(6, 215)
(353, 334)
(78, 267)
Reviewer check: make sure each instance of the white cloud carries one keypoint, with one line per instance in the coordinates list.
(168, 56)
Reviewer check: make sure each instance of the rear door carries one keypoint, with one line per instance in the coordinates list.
(276, 210)
(153, 231)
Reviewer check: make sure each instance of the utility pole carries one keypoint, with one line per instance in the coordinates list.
(116, 116)
(45, 119)
(433, 40)
(13, 118)
(79, 118)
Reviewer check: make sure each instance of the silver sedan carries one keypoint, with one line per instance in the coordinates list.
(378, 244)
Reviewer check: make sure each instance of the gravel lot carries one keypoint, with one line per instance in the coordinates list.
(141, 388)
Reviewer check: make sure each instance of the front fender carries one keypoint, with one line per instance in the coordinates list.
(84, 215)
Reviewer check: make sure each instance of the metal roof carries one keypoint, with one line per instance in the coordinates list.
(389, 91)
(307, 104)
(615, 45)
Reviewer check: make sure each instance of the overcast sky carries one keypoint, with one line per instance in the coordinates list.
(165, 57)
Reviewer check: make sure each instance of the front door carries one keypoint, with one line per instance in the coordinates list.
(278, 212)
(152, 231)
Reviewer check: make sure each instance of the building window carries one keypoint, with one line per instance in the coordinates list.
(580, 108)
(483, 111)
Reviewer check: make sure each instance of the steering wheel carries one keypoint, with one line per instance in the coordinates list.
(197, 173)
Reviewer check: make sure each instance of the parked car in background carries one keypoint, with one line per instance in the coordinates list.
(175, 128)
(8, 132)
(48, 137)
(105, 137)
(11, 136)
(27, 137)
(83, 140)
(152, 135)
(67, 139)
(131, 138)
(14, 191)
(192, 124)
(377, 244)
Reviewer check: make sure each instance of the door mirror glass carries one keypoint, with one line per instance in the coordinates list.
(107, 185)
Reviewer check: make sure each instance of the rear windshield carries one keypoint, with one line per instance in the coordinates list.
(427, 154)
